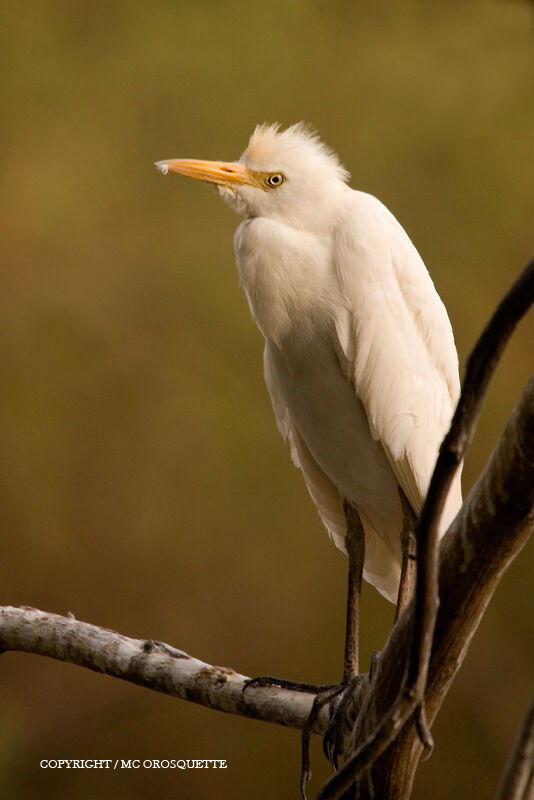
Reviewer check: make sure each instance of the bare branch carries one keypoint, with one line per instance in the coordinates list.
(518, 779)
(479, 369)
(152, 664)
(410, 686)
(494, 524)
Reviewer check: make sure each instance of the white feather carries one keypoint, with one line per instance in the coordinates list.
(360, 359)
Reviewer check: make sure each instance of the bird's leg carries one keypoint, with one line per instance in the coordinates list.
(409, 565)
(355, 546)
(336, 695)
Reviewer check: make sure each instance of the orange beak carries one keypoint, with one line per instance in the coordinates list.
(223, 173)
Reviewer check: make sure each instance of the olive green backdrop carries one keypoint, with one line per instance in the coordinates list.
(144, 485)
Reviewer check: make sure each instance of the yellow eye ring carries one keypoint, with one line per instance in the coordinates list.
(275, 180)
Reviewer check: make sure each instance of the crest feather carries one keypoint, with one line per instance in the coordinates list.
(270, 147)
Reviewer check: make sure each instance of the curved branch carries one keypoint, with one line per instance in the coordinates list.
(480, 367)
(152, 664)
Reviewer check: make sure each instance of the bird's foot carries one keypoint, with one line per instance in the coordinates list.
(334, 738)
(338, 696)
(323, 694)
(322, 698)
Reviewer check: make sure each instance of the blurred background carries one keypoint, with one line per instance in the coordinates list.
(144, 486)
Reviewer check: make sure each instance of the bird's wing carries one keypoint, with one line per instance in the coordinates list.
(323, 492)
(395, 342)
(381, 563)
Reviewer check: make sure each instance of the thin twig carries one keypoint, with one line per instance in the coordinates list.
(518, 778)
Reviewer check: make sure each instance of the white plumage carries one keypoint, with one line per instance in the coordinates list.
(359, 358)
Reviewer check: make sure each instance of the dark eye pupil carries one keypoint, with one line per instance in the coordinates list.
(275, 179)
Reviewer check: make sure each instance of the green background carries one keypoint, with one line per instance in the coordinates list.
(144, 485)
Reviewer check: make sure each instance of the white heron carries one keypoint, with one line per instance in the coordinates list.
(359, 358)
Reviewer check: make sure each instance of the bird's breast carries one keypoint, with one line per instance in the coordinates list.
(286, 275)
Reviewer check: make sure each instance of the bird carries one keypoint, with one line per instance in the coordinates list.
(359, 359)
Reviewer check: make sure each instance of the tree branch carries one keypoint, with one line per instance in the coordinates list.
(151, 664)
(480, 366)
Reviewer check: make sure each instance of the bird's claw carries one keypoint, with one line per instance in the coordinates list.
(338, 696)
(334, 738)
(326, 695)
(323, 694)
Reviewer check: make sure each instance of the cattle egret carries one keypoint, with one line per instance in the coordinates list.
(359, 358)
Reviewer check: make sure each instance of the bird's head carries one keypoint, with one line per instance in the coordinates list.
(288, 175)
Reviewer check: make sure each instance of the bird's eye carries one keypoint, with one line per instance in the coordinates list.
(274, 180)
